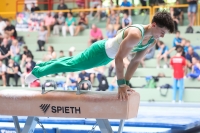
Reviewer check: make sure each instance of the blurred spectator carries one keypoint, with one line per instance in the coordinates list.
(192, 10)
(60, 22)
(2, 27)
(26, 10)
(113, 19)
(150, 54)
(5, 51)
(26, 53)
(10, 30)
(195, 69)
(15, 51)
(177, 40)
(126, 3)
(83, 75)
(71, 50)
(111, 32)
(34, 8)
(175, 18)
(71, 82)
(69, 25)
(49, 21)
(126, 20)
(29, 65)
(101, 14)
(163, 54)
(82, 23)
(111, 69)
(94, 4)
(42, 38)
(14, 71)
(80, 3)
(3, 72)
(144, 3)
(111, 4)
(61, 54)
(62, 6)
(51, 54)
(178, 64)
(191, 54)
(95, 34)
(178, 13)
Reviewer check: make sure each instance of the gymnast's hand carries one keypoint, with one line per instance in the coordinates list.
(123, 92)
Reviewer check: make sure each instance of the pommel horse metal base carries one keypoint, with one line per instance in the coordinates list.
(82, 104)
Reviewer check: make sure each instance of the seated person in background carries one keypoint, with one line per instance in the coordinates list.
(15, 51)
(178, 13)
(182, 43)
(49, 21)
(126, 3)
(126, 20)
(191, 53)
(111, 32)
(69, 25)
(177, 40)
(42, 38)
(83, 76)
(95, 34)
(5, 51)
(60, 22)
(61, 54)
(82, 23)
(80, 3)
(195, 69)
(10, 30)
(71, 81)
(3, 72)
(150, 54)
(50, 55)
(24, 55)
(101, 14)
(163, 54)
(175, 19)
(113, 19)
(71, 51)
(14, 71)
(29, 65)
(34, 8)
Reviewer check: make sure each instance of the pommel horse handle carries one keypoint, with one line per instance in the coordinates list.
(53, 84)
(78, 92)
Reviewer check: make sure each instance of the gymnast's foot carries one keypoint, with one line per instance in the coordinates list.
(30, 77)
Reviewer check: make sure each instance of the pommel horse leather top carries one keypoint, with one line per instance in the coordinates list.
(90, 104)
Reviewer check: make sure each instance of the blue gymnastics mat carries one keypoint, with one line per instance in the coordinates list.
(181, 118)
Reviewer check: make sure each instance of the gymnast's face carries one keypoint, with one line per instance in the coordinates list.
(157, 31)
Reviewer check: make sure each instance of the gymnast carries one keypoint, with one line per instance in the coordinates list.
(135, 38)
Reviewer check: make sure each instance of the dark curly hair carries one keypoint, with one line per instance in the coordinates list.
(164, 19)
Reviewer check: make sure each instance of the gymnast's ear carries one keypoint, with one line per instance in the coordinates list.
(153, 24)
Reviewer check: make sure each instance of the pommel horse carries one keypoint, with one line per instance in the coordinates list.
(70, 104)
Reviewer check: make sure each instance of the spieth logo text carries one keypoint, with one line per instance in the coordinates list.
(60, 109)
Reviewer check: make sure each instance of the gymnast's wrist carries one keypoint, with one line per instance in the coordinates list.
(121, 82)
(127, 82)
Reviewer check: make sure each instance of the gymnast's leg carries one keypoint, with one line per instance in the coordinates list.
(92, 57)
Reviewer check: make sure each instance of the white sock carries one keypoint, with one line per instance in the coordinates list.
(30, 78)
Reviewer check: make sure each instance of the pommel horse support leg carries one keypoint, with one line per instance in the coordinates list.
(69, 104)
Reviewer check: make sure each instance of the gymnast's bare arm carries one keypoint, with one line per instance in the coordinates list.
(132, 38)
(136, 61)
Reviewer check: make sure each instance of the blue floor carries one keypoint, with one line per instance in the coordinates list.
(150, 119)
